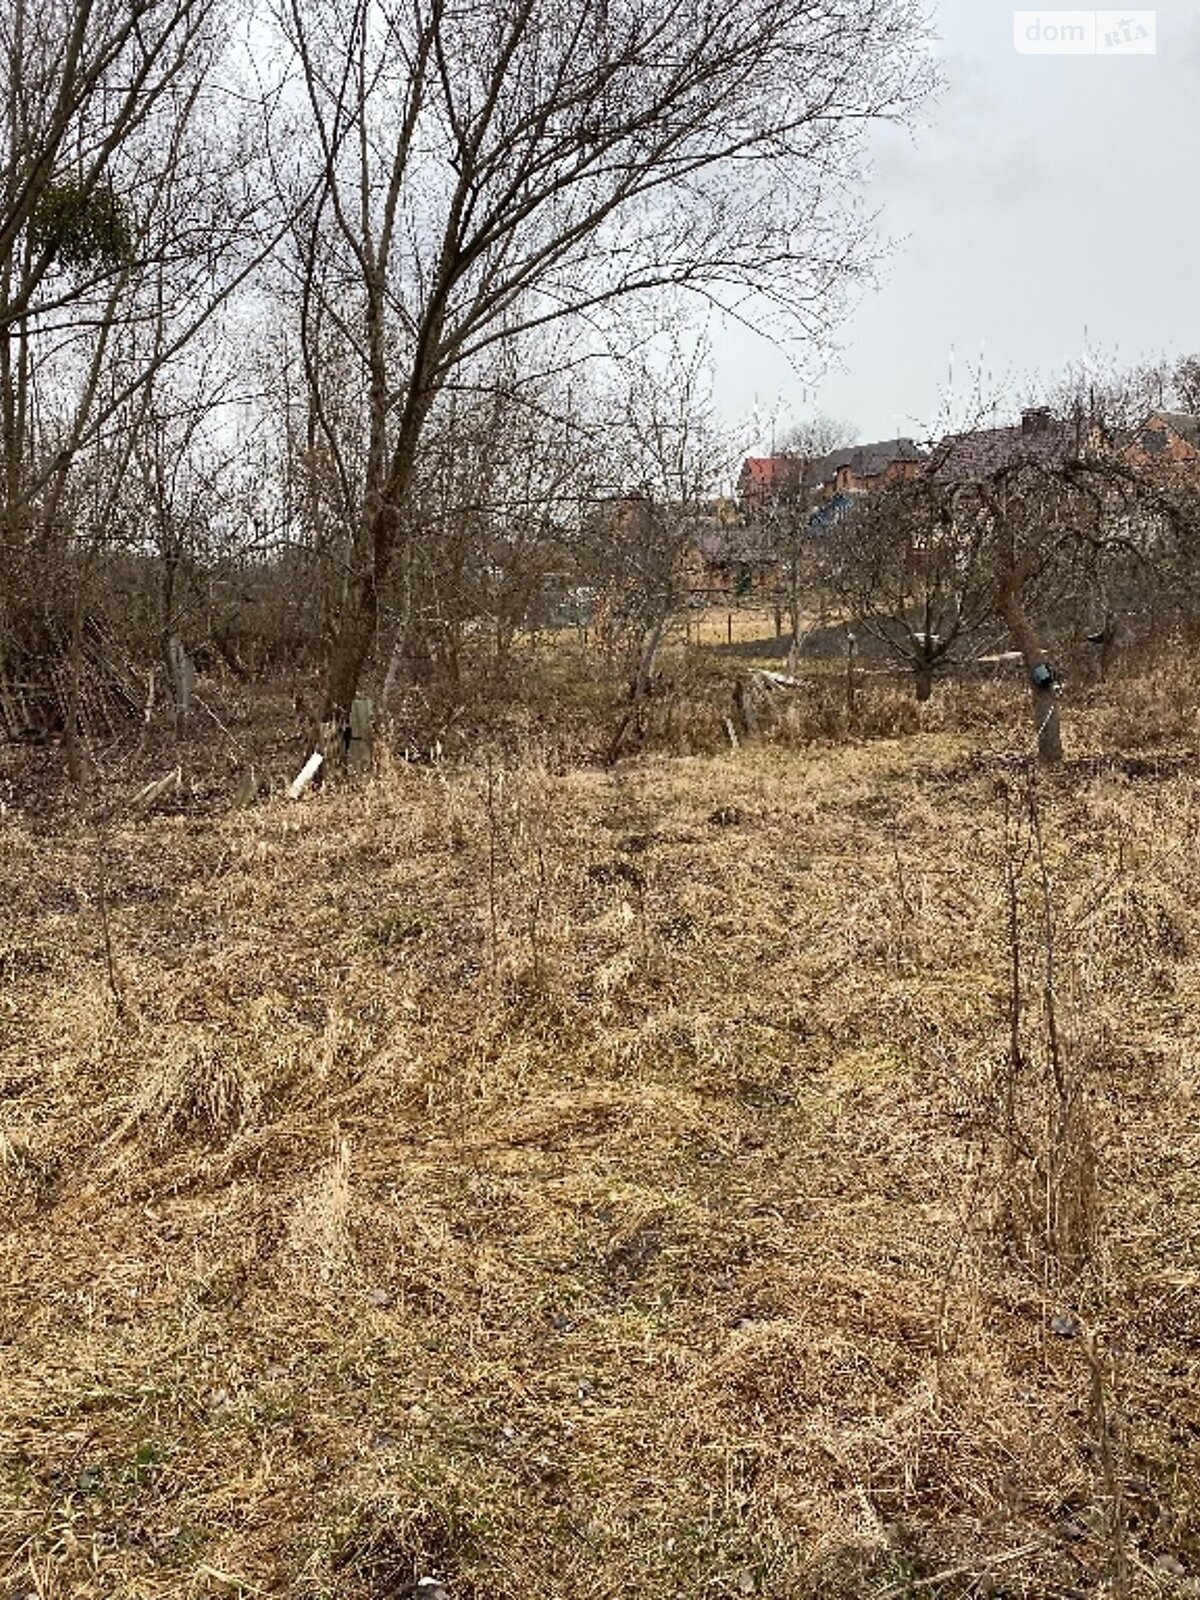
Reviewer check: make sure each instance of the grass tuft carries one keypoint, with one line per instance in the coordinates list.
(197, 1089)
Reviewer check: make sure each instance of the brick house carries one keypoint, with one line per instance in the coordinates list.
(1169, 440)
(855, 469)
(866, 468)
(1166, 445)
(747, 557)
(764, 478)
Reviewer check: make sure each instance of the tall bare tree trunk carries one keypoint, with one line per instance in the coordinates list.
(380, 542)
(528, 218)
(351, 647)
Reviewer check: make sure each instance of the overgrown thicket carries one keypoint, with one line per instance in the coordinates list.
(301, 309)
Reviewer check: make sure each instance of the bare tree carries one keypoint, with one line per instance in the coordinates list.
(788, 512)
(127, 218)
(486, 171)
(506, 464)
(114, 205)
(1186, 384)
(666, 456)
(1057, 491)
(910, 569)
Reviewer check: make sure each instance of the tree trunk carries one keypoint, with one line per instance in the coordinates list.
(793, 599)
(392, 677)
(744, 713)
(1049, 729)
(379, 541)
(649, 658)
(351, 649)
(851, 648)
(1108, 646)
(1047, 726)
(638, 689)
(924, 682)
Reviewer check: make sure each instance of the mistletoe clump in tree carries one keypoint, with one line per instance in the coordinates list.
(84, 228)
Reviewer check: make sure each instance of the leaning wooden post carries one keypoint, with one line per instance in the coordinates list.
(851, 646)
(744, 714)
(182, 674)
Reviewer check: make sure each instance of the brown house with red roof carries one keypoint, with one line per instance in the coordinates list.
(764, 477)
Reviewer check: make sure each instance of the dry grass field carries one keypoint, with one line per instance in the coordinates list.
(594, 1184)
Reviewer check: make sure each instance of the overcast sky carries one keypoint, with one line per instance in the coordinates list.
(1046, 212)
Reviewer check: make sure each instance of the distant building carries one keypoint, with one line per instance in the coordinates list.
(750, 558)
(731, 562)
(1166, 439)
(764, 478)
(855, 469)
(865, 468)
(1040, 439)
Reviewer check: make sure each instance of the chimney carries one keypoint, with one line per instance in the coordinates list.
(1036, 419)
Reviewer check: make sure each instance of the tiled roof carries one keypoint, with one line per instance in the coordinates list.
(751, 544)
(864, 460)
(766, 472)
(1040, 440)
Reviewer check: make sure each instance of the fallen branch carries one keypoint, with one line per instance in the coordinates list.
(775, 680)
(146, 797)
(967, 1570)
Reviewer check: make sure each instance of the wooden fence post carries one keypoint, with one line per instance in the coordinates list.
(359, 750)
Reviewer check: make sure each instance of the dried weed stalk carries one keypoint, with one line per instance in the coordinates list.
(1048, 1182)
(519, 852)
(1048, 1185)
